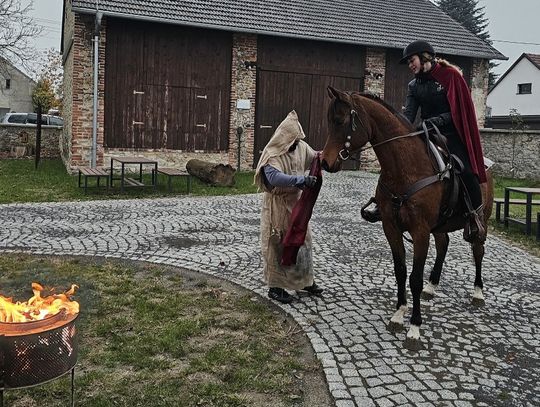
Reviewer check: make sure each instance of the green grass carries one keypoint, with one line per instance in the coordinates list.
(515, 233)
(20, 181)
(155, 336)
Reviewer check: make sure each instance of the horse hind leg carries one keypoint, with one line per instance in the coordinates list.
(441, 245)
(478, 255)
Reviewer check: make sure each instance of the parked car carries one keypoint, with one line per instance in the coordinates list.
(31, 118)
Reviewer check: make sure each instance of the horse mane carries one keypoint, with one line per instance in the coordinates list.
(388, 107)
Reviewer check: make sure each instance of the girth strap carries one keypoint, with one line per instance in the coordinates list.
(399, 200)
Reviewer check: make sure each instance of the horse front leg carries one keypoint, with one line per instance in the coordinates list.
(395, 240)
(441, 245)
(416, 281)
(478, 254)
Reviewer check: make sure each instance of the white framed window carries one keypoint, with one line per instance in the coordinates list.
(524, 88)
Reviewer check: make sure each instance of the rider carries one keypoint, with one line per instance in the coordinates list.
(443, 97)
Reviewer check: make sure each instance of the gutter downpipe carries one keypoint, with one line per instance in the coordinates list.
(97, 27)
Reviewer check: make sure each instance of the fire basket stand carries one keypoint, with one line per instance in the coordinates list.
(33, 353)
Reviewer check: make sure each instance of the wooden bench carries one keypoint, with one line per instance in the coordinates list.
(97, 173)
(174, 172)
(499, 202)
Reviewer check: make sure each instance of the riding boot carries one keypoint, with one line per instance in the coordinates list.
(372, 215)
(474, 227)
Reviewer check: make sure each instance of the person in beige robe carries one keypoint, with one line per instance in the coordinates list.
(280, 174)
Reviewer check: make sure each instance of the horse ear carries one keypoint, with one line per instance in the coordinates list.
(333, 93)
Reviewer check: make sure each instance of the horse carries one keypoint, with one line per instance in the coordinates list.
(354, 119)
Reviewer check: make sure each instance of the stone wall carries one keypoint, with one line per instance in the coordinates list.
(243, 86)
(516, 154)
(79, 96)
(20, 140)
(479, 88)
(165, 158)
(373, 83)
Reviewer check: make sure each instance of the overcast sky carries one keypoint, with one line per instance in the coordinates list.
(516, 21)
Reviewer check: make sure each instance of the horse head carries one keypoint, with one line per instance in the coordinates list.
(348, 129)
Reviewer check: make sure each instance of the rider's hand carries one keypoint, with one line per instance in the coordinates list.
(437, 121)
(310, 181)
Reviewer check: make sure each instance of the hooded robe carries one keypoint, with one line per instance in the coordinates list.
(278, 203)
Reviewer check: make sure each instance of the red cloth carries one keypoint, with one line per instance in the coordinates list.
(463, 114)
(300, 216)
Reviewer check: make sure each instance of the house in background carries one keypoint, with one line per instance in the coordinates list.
(15, 89)
(518, 88)
(213, 79)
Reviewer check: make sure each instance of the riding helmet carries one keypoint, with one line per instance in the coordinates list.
(416, 47)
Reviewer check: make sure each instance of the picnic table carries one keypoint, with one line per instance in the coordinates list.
(130, 181)
(528, 202)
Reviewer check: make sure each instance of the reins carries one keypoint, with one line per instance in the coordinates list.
(344, 154)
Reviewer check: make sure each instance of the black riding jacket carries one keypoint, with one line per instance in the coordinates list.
(429, 95)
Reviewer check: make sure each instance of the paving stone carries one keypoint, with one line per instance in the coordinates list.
(467, 351)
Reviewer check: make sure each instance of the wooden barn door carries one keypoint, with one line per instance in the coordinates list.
(173, 93)
(294, 75)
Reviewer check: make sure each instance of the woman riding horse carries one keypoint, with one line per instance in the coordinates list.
(444, 98)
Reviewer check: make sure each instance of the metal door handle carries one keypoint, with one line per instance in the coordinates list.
(265, 127)
(201, 125)
(137, 123)
(138, 92)
(201, 97)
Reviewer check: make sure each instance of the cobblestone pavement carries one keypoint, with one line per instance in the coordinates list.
(486, 356)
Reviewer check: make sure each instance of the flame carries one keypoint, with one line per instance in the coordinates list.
(37, 307)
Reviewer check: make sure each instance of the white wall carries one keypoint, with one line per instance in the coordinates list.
(505, 97)
(19, 97)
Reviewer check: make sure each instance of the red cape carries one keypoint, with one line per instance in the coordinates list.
(300, 216)
(463, 114)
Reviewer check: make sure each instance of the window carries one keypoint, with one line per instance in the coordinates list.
(8, 83)
(524, 88)
(17, 118)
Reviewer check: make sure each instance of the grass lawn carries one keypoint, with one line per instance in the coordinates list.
(151, 335)
(21, 182)
(514, 233)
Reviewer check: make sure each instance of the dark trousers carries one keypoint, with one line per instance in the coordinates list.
(472, 184)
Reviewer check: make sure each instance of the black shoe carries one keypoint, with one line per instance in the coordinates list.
(314, 289)
(279, 294)
(371, 215)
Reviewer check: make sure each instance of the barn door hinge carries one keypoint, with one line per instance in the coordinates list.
(201, 96)
(262, 126)
(138, 92)
(201, 125)
(137, 123)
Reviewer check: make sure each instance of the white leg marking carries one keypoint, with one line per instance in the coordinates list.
(397, 318)
(478, 293)
(430, 288)
(414, 332)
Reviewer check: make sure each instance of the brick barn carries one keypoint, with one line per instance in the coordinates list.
(213, 79)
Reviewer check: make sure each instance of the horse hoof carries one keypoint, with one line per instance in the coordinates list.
(394, 327)
(413, 344)
(478, 297)
(478, 302)
(426, 296)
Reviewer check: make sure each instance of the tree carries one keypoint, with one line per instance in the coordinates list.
(472, 17)
(17, 29)
(43, 95)
(51, 69)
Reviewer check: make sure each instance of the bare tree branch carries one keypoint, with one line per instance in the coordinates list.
(17, 30)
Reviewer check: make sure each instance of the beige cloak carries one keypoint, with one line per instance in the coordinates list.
(277, 205)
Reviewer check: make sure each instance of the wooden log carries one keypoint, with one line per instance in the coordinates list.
(211, 173)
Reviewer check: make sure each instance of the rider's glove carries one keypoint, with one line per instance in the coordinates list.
(310, 181)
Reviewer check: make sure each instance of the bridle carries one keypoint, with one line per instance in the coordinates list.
(345, 153)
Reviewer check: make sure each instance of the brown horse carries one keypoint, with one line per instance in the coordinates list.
(354, 120)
